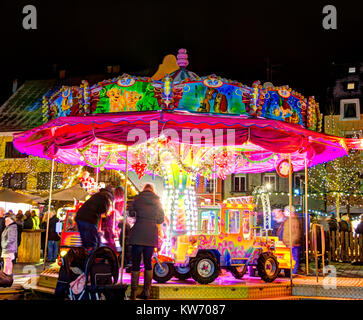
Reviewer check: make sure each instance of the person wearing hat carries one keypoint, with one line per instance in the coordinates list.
(359, 228)
(9, 244)
(89, 214)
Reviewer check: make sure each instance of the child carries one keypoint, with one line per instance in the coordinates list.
(9, 244)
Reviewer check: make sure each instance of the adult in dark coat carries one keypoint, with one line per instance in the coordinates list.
(28, 221)
(333, 224)
(19, 222)
(148, 212)
(53, 238)
(89, 214)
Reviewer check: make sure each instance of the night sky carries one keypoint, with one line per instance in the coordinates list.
(232, 39)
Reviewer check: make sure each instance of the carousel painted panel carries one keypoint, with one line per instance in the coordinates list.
(124, 95)
(282, 105)
(214, 96)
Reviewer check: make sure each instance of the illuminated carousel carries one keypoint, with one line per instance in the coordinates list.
(182, 127)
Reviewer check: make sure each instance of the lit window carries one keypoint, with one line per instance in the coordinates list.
(299, 183)
(351, 70)
(233, 221)
(351, 86)
(209, 185)
(246, 225)
(208, 221)
(270, 179)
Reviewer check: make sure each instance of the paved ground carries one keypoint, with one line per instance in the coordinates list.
(342, 270)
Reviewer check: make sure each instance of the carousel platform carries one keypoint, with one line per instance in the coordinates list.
(229, 288)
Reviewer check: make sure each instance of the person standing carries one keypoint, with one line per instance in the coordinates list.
(19, 224)
(359, 228)
(89, 214)
(9, 244)
(296, 236)
(344, 224)
(28, 221)
(2, 225)
(36, 221)
(278, 223)
(119, 209)
(53, 238)
(148, 212)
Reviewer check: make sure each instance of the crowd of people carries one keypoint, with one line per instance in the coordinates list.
(11, 228)
(281, 229)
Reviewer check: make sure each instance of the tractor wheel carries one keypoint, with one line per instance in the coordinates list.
(182, 273)
(204, 268)
(267, 267)
(238, 272)
(165, 274)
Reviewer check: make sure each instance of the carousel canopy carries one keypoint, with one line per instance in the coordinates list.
(257, 125)
(66, 138)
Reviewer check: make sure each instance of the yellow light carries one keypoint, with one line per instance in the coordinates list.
(63, 253)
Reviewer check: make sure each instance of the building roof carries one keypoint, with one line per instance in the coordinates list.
(23, 110)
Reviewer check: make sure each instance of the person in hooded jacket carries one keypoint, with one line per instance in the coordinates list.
(28, 221)
(89, 215)
(148, 212)
(9, 244)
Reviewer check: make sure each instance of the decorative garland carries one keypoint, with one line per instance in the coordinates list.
(257, 161)
(95, 165)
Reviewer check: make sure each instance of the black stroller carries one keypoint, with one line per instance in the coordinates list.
(98, 281)
(73, 265)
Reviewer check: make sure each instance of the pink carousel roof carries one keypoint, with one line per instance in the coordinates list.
(62, 138)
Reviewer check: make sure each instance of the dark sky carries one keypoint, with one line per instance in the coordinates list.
(229, 38)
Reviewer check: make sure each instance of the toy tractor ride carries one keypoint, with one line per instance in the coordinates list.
(228, 238)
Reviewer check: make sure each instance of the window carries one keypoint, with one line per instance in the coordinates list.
(351, 86)
(246, 225)
(351, 70)
(270, 179)
(14, 181)
(299, 183)
(239, 183)
(233, 219)
(43, 180)
(209, 185)
(349, 109)
(12, 152)
(208, 220)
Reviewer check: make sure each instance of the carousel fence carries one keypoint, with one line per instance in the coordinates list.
(345, 246)
(339, 246)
